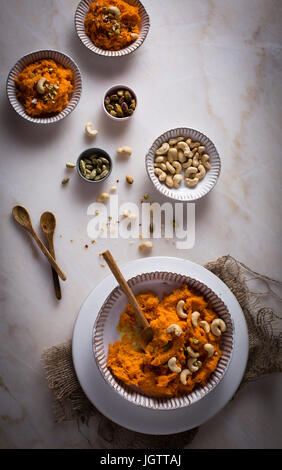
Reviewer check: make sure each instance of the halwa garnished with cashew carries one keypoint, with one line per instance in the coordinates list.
(185, 348)
(112, 24)
(44, 87)
(181, 155)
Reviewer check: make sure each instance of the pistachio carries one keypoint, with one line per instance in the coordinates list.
(65, 180)
(70, 165)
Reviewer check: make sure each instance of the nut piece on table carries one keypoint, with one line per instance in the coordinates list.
(89, 130)
(129, 179)
(124, 150)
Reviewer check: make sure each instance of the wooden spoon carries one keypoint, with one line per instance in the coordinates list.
(147, 332)
(21, 215)
(48, 224)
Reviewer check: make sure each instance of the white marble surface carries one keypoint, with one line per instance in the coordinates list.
(212, 65)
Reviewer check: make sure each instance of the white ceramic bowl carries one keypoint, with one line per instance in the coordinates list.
(110, 91)
(58, 57)
(105, 332)
(184, 193)
(80, 15)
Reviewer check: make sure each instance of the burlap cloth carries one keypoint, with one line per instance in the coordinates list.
(259, 297)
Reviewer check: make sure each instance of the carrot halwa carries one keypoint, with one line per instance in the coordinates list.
(112, 24)
(56, 86)
(149, 370)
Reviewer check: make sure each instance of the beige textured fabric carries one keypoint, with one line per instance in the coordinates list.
(260, 299)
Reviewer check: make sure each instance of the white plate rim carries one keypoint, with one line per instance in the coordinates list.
(118, 409)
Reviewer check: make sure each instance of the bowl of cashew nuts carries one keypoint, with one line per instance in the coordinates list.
(162, 283)
(183, 164)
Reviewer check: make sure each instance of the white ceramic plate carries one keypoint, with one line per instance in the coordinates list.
(105, 333)
(58, 57)
(127, 414)
(80, 15)
(184, 193)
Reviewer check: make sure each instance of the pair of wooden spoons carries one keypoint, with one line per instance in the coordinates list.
(48, 224)
(146, 334)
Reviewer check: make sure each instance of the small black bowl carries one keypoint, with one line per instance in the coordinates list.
(88, 153)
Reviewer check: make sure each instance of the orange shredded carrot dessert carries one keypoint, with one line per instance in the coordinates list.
(55, 89)
(112, 24)
(149, 370)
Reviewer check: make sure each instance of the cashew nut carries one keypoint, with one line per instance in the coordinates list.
(160, 159)
(183, 376)
(194, 144)
(180, 156)
(201, 149)
(209, 348)
(191, 182)
(218, 326)
(170, 168)
(184, 147)
(114, 11)
(172, 141)
(169, 181)
(191, 352)
(177, 180)
(174, 328)
(173, 366)
(124, 150)
(177, 166)
(179, 309)
(162, 166)
(163, 149)
(201, 172)
(190, 171)
(193, 364)
(196, 159)
(194, 318)
(103, 197)
(160, 173)
(204, 324)
(89, 130)
(172, 154)
(204, 160)
(40, 86)
(188, 163)
(146, 245)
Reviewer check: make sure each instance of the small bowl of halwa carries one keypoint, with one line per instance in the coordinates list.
(112, 28)
(191, 347)
(44, 86)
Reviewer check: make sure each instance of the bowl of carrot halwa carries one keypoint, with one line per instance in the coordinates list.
(44, 86)
(191, 347)
(112, 28)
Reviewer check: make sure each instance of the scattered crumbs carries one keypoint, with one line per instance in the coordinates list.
(93, 241)
(140, 236)
(97, 212)
(167, 239)
(131, 242)
(117, 181)
(85, 246)
(61, 236)
(109, 217)
(71, 241)
(102, 265)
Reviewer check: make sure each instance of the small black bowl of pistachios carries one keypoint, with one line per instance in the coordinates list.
(94, 165)
(119, 102)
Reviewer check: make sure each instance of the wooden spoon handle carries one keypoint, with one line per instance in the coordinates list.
(48, 255)
(125, 287)
(56, 281)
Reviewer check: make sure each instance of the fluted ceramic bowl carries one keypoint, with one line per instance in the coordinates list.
(184, 193)
(105, 333)
(80, 15)
(61, 59)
